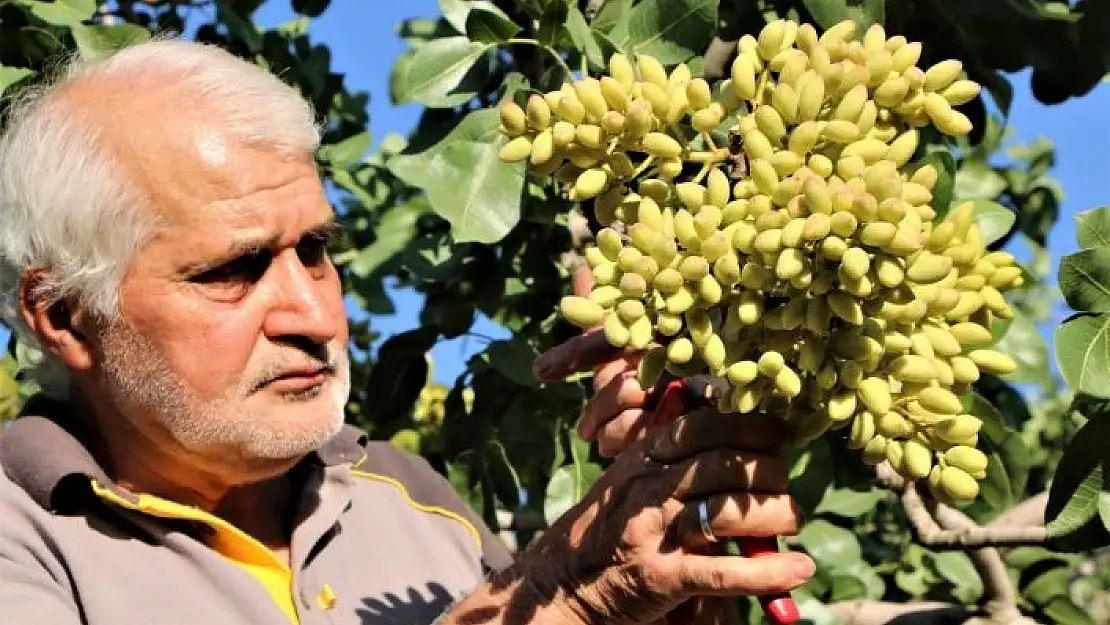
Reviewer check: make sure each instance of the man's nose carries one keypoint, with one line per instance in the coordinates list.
(302, 303)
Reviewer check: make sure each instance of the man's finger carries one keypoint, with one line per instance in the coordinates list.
(729, 575)
(620, 432)
(733, 515)
(582, 281)
(727, 471)
(579, 353)
(706, 428)
(622, 363)
(623, 393)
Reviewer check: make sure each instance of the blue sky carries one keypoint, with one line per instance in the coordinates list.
(364, 44)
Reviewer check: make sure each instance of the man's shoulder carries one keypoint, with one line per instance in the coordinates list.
(426, 491)
(410, 474)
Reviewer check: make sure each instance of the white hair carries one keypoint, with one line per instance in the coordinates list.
(66, 202)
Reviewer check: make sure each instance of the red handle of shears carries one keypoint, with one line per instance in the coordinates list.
(673, 399)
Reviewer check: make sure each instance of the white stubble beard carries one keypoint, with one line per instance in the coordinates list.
(141, 382)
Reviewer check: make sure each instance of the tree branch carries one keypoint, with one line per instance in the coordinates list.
(926, 515)
(718, 59)
(1029, 512)
(865, 612)
(939, 525)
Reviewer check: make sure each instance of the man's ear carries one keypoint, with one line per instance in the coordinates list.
(61, 327)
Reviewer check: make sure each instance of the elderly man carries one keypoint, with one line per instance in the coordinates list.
(164, 232)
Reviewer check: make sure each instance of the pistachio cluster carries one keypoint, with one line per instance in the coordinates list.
(804, 261)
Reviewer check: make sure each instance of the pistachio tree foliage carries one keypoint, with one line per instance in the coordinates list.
(439, 212)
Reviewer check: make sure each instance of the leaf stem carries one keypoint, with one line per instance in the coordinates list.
(709, 141)
(763, 78)
(709, 156)
(546, 48)
(643, 166)
(705, 167)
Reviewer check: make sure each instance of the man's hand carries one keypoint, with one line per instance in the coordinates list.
(633, 549)
(614, 416)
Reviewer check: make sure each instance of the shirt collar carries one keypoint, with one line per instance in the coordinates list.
(42, 453)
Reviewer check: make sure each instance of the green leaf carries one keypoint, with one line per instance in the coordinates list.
(529, 432)
(849, 503)
(1047, 586)
(1073, 496)
(346, 151)
(996, 491)
(833, 547)
(612, 14)
(1104, 508)
(61, 12)
(456, 12)
(466, 182)
(568, 485)
(399, 373)
(12, 75)
(1092, 227)
(830, 12)
(976, 179)
(1083, 353)
(311, 8)
(1085, 279)
(513, 359)
(672, 31)
(238, 26)
(994, 426)
(994, 220)
(552, 23)
(1001, 91)
(1023, 557)
(811, 475)
(912, 581)
(1063, 610)
(583, 38)
(1023, 342)
(95, 41)
(416, 32)
(393, 233)
(490, 26)
(9, 391)
(506, 482)
(942, 190)
(442, 73)
(846, 587)
(957, 568)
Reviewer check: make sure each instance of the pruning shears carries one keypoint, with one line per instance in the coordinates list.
(673, 397)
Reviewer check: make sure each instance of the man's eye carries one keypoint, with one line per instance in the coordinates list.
(245, 270)
(313, 251)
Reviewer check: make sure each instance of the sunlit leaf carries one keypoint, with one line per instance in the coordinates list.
(994, 220)
(465, 180)
(443, 72)
(567, 487)
(1092, 227)
(1074, 496)
(863, 12)
(670, 30)
(1085, 279)
(1083, 353)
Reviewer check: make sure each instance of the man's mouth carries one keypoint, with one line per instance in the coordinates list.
(299, 379)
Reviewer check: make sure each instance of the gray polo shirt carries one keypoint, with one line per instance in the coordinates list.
(379, 537)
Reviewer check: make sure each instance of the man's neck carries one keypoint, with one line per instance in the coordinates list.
(261, 506)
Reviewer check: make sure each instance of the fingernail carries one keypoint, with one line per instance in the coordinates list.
(804, 567)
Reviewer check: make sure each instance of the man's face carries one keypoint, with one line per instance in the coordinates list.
(233, 333)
